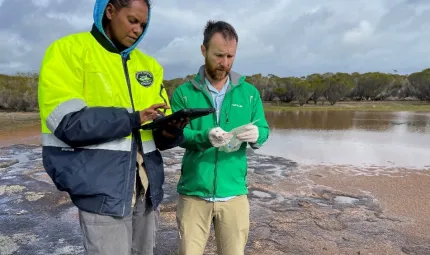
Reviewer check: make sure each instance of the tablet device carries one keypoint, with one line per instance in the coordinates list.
(191, 113)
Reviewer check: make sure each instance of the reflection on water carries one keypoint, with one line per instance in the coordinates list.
(398, 139)
(346, 120)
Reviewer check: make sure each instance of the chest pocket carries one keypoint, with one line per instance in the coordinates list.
(239, 109)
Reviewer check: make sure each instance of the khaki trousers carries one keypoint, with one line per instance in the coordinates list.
(231, 223)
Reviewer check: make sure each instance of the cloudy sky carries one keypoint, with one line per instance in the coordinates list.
(281, 37)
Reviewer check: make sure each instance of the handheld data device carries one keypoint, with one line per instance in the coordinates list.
(190, 113)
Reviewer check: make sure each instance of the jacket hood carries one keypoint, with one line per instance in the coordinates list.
(98, 13)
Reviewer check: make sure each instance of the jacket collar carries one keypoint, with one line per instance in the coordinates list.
(103, 40)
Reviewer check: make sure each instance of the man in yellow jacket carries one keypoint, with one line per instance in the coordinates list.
(95, 92)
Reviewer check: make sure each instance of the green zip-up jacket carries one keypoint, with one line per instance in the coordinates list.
(206, 171)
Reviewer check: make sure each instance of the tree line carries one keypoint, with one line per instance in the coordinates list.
(19, 92)
(333, 87)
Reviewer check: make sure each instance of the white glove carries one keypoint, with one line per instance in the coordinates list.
(218, 137)
(250, 134)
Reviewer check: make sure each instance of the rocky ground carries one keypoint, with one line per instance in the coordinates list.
(290, 214)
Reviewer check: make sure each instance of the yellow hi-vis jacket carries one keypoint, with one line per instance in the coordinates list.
(89, 94)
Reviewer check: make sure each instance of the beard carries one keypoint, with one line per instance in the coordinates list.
(216, 73)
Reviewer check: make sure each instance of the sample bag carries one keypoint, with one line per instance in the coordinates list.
(234, 143)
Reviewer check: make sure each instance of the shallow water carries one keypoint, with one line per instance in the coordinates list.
(393, 139)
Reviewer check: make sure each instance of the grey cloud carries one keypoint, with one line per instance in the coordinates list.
(282, 37)
(26, 30)
(418, 2)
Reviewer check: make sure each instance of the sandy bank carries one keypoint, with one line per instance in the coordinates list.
(401, 192)
(19, 128)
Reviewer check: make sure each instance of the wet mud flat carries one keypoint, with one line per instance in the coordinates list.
(290, 214)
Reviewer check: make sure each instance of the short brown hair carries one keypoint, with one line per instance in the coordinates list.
(222, 27)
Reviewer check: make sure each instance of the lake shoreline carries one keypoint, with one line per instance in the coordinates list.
(19, 127)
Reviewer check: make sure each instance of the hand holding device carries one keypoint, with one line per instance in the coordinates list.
(180, 118)
(175, 127)
(152, 112)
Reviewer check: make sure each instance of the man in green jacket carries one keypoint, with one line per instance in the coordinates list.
(213, 185)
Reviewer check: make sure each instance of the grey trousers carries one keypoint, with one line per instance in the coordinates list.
(134, 234)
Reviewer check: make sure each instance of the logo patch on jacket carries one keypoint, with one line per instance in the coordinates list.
(145, 78)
